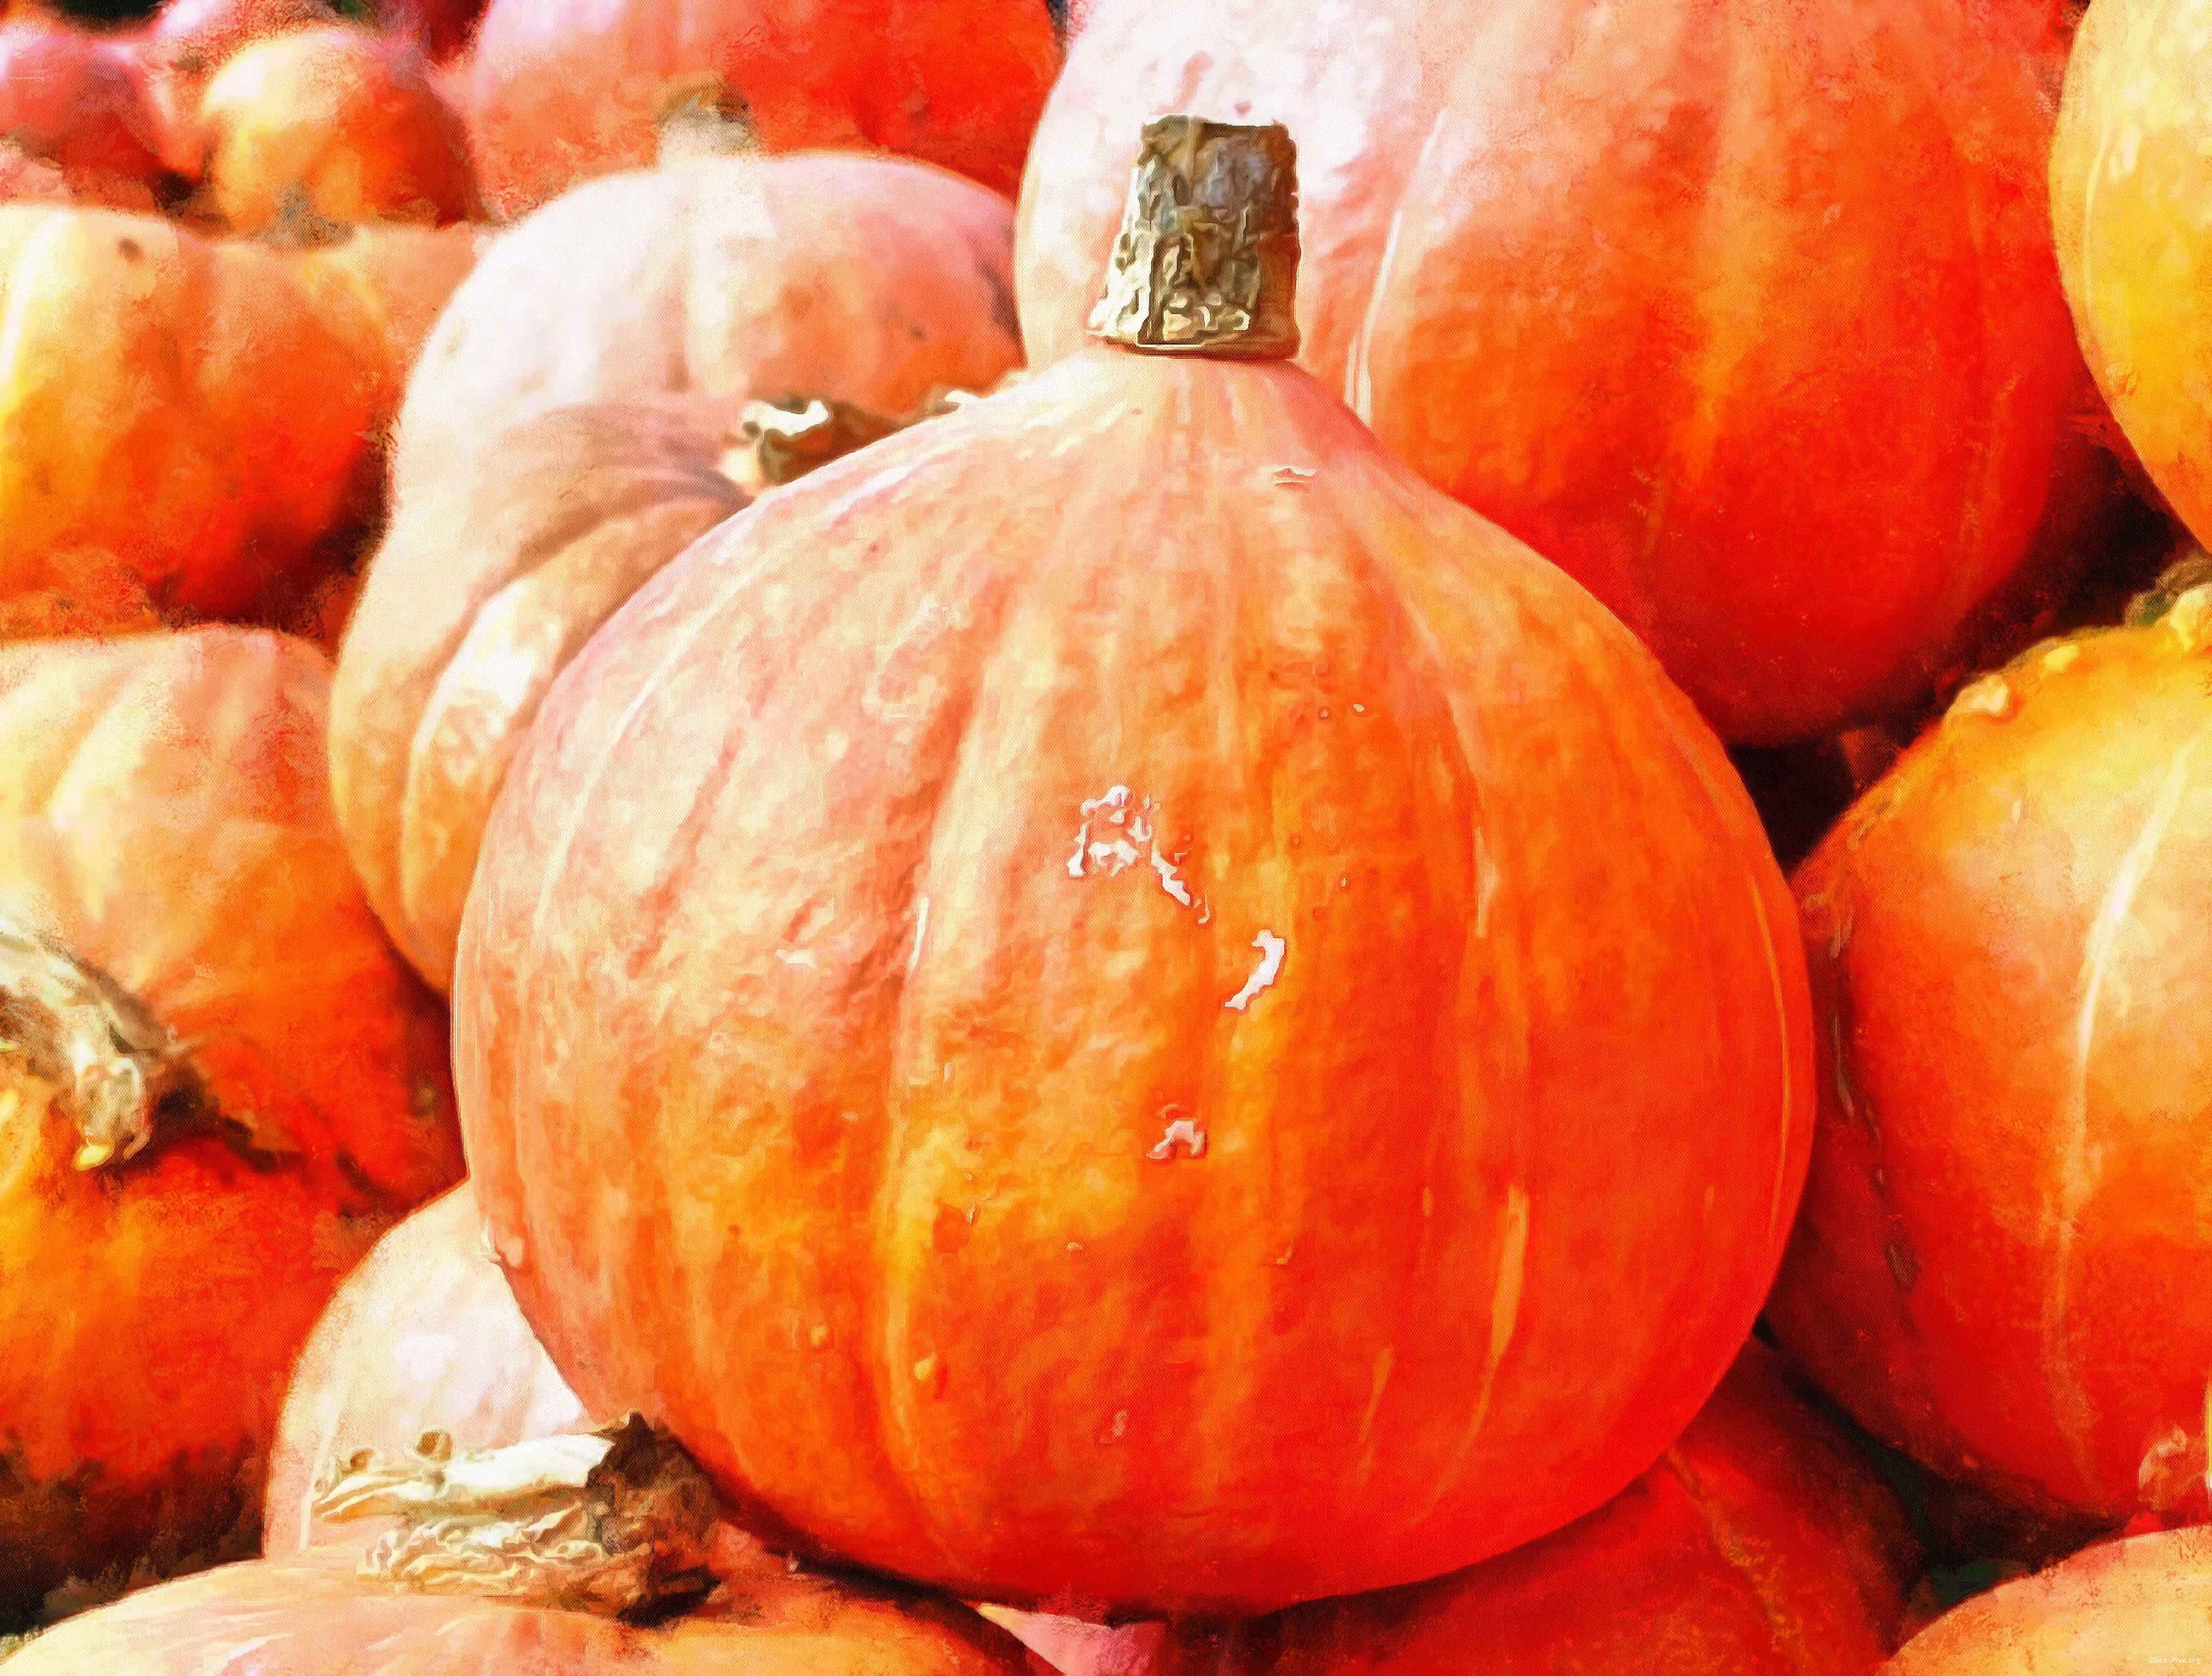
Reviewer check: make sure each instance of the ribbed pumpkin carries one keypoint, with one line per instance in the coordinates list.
(560, 91)
(2000, 1263)
(1745, 313)
(336, 122)
(1763, 1543)
(260, 1087)
(2127, 1608)
(859, 280)
(205, 411)
(494, 571)
(2129, 167)
(424, 1336)
(1110, 989)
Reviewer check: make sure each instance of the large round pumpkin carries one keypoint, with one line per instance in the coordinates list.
(858, 279)
(2000, 1266)
(205, 411)
(562, 91)
(494, 572)
(336, 122)
(2133, 1608)
(1763, 1543)
(260, 1087)
(1745, 313)
(2130, 168)
(1111, 989)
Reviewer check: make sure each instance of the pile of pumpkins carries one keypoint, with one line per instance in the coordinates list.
(929, 837)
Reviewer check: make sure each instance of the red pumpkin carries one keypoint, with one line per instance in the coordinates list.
(1763, 1541)
(424, 1335)
(494, 572)
(858, 279)
(335, 123)
(177, 907)
(1110, 989)
(1999, 1265)
(80, 104)
(1745, 314)
(563, 90)
(2117, 1609)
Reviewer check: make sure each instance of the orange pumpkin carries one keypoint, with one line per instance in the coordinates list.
(1999, 1264)
(1762, 1542)
(205, 412)
(563, 90)
(336, 122)
(2117, 1609)
(219, 1085)
(2131, 163)
(424, 1335)
(1111, 989)
(859, 279)
(189, 40)
(1745, 313)
(492, 574)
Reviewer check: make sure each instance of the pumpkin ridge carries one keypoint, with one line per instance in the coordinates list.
(1727, 1548)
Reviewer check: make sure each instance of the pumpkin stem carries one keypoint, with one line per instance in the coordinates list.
(702, 116)
(783, 440)
(299, 225)
(1206, 261)
(618, 1522)
(83, 1033)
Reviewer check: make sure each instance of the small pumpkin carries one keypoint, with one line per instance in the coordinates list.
(206, 412)
(864, 280)
(494, 572)
(1560, 263)
(2116, 1609)
(424, 1335)
(1762, 1541)
(219, 1086)
(1998, 1265)
(80, 104)
(561, 91)
(1108, 989)
(188, 41)
(333, 122)
(2129, 166)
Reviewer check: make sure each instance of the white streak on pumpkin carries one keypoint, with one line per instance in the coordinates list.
(920, 930)
(1182, 1132)
(795, 957)
(1270, 949)
(1169, 881)
(1504, 1297)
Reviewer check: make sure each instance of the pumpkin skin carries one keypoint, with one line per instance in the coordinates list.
(1763, 1543)
(2115, 1609)
(425, 1334)
(205, 411)
(1998, 1265)
(859, 279)
(2128, 169)
(563, 90)
(493, 573)
(311, 1616)
(164, 815)
(82, 104)
(336, 122)
(903, 1275)
(189, 40)
(1646, 408)
(443, 26)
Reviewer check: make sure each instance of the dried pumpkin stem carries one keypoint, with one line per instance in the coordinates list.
(86, 1035)
(615, 1522)
(1206, 261)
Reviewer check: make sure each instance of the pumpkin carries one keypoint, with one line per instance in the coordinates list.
(858, 279)
(1998, 1267)
(563, 90)
(2128, 168)
(2117, 1609)
(336, 122)
(493, 573)
(1567, 261)
(443, 26)
(424, 1335)
(188, 41)
(316, 1615)
(205, 411)
(82, 104)
(219, 1086)
(1762, 1541)
(1138, 962)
